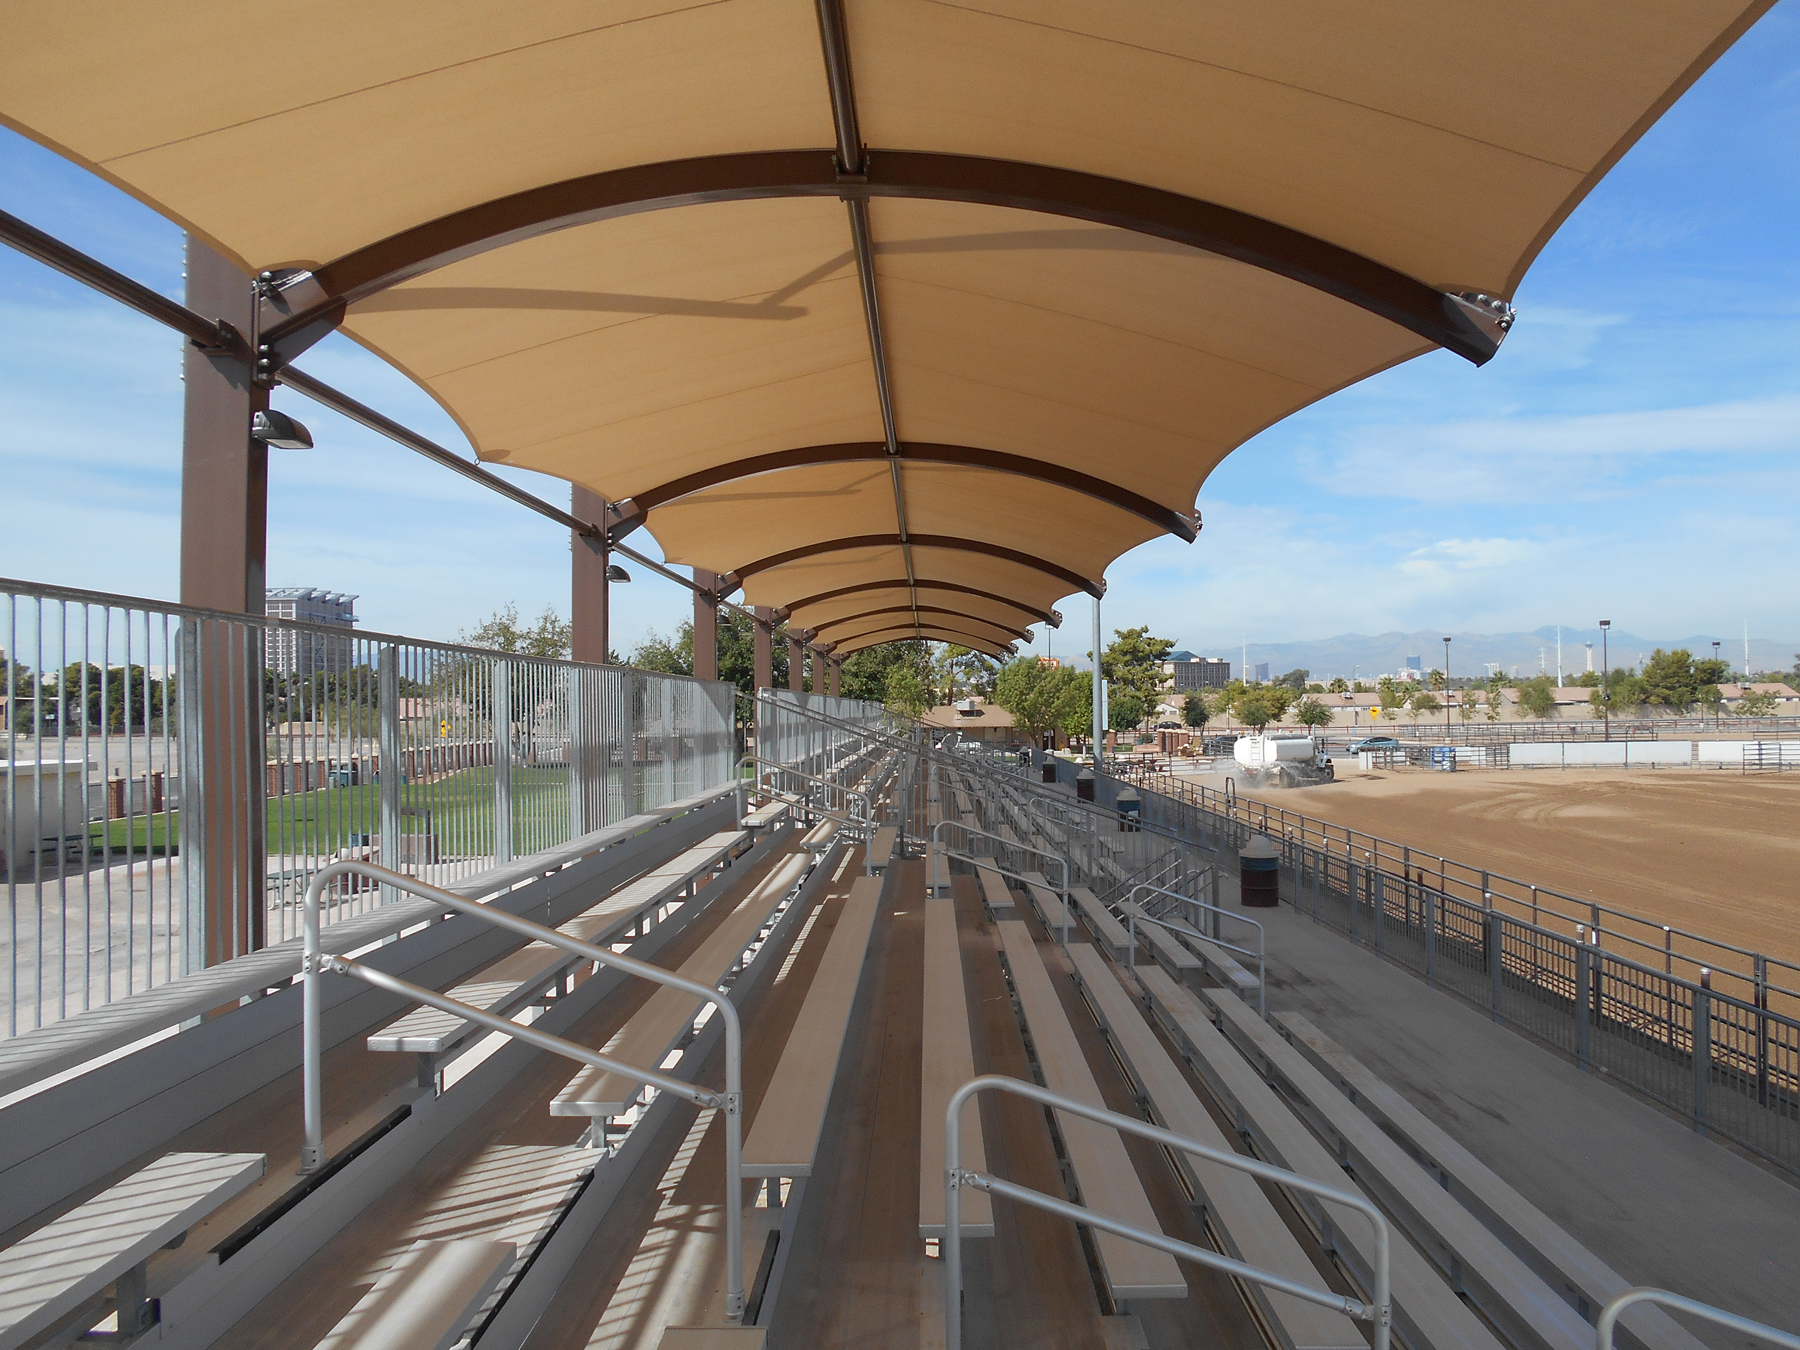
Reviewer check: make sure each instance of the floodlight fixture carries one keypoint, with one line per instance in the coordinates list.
(279, 431)
(616, 573)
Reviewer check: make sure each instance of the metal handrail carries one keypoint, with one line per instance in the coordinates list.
(1379, 1311)
(731, 1101)
(1261, 954)
(1609, 1316)
(867, 798)
(937, 848)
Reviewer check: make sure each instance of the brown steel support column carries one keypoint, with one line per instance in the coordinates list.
(224, 532)
(833, 673)
(706, 626)
(589, 596)
(765, 649)
(796, 664)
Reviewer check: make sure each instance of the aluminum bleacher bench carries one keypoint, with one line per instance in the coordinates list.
(427, 1298)
(1507, 1291)
(881, 852)
(765, 816)
(1556, 1256)
(1048, 901)
(996, 892)
(1223, 967)
(1427, 1312)
(1244, 1219)
(1166, 947)
(948, 1063)
(105, 1242)
(666, 1017)
(819, 838)
(518, 980)
(1097, 1154)
(1099, 920)
(785, 1134)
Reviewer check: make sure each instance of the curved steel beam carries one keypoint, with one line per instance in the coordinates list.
(1047, 616)
(957, 623)
(908, 632)
(634, 509)
(1471, 326)
(1023, 635)
(737, 576)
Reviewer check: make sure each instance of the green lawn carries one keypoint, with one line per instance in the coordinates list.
(324, 821)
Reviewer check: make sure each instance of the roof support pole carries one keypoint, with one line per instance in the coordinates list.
(224, 533)
(765, 648)
(590, 595)
(834, 674)
(706, 625)
(1099, 697)
(796, 663)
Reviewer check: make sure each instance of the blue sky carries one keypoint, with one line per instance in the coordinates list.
(1633, 451)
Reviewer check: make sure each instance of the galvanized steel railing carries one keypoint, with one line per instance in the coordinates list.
(173, 777)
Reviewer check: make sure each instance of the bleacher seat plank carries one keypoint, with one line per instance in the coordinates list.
(1506, 1289)
(820, 836)
(48, 1274)
(785, 1135)
(765, 816)
(1102, 1167)
(712, 1338)
(1107, 930)
(652, 1032)
(995, 891)
(431, 1031)
(1048, 900)
(1224, 967)
(1165, 946)
(947, 1062)
(426, 1299)
(1557, 1255)
(1252, 1229)
(881, 852)
(1427, 1311)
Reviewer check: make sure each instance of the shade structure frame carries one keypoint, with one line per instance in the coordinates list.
(1044, 566)
(1471, 329)
(923, 632)
(953, 622)
(1050, 617)
(1022, 635)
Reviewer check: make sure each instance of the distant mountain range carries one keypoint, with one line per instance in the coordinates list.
(1353, 654)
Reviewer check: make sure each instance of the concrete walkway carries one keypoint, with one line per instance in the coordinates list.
(1660, 1203)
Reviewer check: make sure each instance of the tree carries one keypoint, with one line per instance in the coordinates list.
(1756, 703)
(1310, 712)
(1711, 670)
(1392, 697)
(1041, 697)
(1469, 705)
(1194, 711)
(1422, 704)
(1537, 696)
(549, 638)
(1338, 686)
(667, 655)
(1133, 664)
(1437, 679)
(1253, 712)
(865, 673)
(1124, 712)
(906, 691)
(1295, 680)
(960, 666)
(1670, 680)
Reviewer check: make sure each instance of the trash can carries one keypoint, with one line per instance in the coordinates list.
(1084, 785)
(1131, 810)
(1443, 757)
(1049, 768)
(1259, 873)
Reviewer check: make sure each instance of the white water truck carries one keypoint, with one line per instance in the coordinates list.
(1282, 759)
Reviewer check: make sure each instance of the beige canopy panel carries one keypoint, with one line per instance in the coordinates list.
(905, 318)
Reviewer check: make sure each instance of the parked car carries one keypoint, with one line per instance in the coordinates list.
(1168, 726)
(1373, 743)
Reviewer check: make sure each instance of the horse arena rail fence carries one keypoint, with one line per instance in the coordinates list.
(173, 777)
(1706, 1028)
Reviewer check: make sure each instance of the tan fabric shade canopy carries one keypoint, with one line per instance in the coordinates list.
(1089, 249)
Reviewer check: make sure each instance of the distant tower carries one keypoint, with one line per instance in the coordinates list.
(1559, 674)
(1590, 657)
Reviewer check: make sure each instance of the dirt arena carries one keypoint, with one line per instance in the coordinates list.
(1717, 853)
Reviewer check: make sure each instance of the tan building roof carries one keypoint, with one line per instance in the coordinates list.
(985, 715)
(888, 309)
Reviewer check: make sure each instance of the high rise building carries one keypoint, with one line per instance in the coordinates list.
(298, 651)
(1188, 672)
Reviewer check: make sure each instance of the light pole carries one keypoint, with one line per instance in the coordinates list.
(1605, 680)
(1446, 688)
(1716, 702)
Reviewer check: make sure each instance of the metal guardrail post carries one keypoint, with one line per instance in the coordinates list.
(190, 699)
(1378, 1311)
(501, 693)
(1702, 1044)
(1495, 933)
(389, 775)
(1609, 1318)
(1584, 992)
(315, 962)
